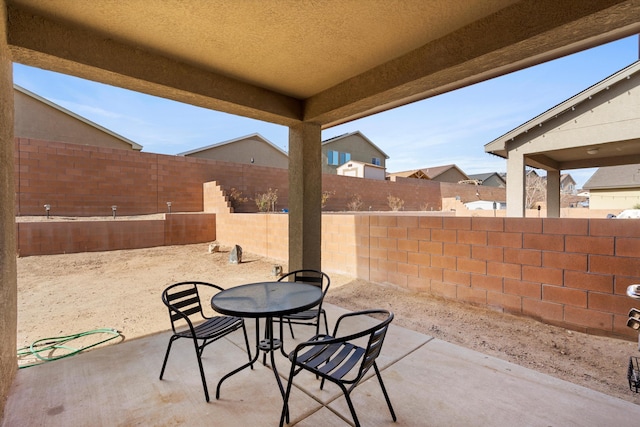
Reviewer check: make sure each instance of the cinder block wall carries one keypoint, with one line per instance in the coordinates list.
(262, 234)
(567, 272)
(59, 237)
(79, 180)
(82, 180)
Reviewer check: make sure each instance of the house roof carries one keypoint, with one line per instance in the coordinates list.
(427, 173)
(39, 98)
(485, 176)
(350, 162)
(231, 141)
(433, 172)
(346, 135)
(567, 177)
(613, 152)
(610, 177)
(414, 173)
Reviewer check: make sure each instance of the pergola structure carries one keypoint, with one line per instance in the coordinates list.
(304, 65)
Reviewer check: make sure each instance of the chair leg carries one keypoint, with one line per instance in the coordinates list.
(166, 355)
(384, 391)
(291, 329)
(204, 380)
(326, 325)
(246, 341)
(350, 403)
(284, 416)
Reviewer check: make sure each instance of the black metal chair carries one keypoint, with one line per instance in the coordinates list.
(312, 316)
(340, 361)
(189, 321)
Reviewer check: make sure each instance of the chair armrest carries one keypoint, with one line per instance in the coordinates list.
(355, 313)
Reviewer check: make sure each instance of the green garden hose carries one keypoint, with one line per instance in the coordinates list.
(59, 343)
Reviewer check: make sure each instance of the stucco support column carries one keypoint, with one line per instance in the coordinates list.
(553, 194)
(515, 185)
(305, 196)
(8, 275)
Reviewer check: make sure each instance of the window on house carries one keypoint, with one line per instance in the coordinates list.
(337, 158)
(344, 158)
(375, 161)
(332, 157)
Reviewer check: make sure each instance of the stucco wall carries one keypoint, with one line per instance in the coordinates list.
(37, 120)
(248, 151)
(359, 149)
(8, 280)
(614, 200)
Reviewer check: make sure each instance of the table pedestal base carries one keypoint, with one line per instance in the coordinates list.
(267, 345)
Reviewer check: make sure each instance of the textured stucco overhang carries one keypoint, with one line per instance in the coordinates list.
(286, 61)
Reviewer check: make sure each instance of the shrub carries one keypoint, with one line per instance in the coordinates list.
(266, 202)
(425, 207)
(326, 195)
(235, 197)
(395, 203)
(355, 204)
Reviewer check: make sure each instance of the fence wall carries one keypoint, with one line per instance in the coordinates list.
(82, 180)
(567, 272)
(60, 237)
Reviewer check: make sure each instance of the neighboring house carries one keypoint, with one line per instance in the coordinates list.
(414, 173)
(251, 149)
(491, 179)
(352, 146)
(361, 170)
(567, 184)
(447, 173)
(598, 127)
(486, 205)
(38, 118)
(614, 187)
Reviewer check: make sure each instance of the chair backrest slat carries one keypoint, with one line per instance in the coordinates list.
(183, 301)
(374, 346)
(312, 277)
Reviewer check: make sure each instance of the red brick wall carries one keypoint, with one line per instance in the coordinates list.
(417, 194)
(79, 180)
(471, 193)
(59, 237)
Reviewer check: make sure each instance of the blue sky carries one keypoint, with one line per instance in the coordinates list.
(447, 129)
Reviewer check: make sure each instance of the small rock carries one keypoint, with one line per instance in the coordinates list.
(235, 257)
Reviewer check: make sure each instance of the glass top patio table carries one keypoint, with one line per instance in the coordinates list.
(265, 300)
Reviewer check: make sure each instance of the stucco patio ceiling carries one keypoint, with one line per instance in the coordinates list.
(285, 61)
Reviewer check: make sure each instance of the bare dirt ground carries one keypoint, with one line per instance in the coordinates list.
(66, 294)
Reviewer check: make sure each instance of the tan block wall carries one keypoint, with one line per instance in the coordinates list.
(263, 234)
(567, 272)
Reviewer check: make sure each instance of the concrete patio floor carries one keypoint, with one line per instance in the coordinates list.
(430, 383)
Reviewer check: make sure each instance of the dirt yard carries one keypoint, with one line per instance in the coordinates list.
(65, 294)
